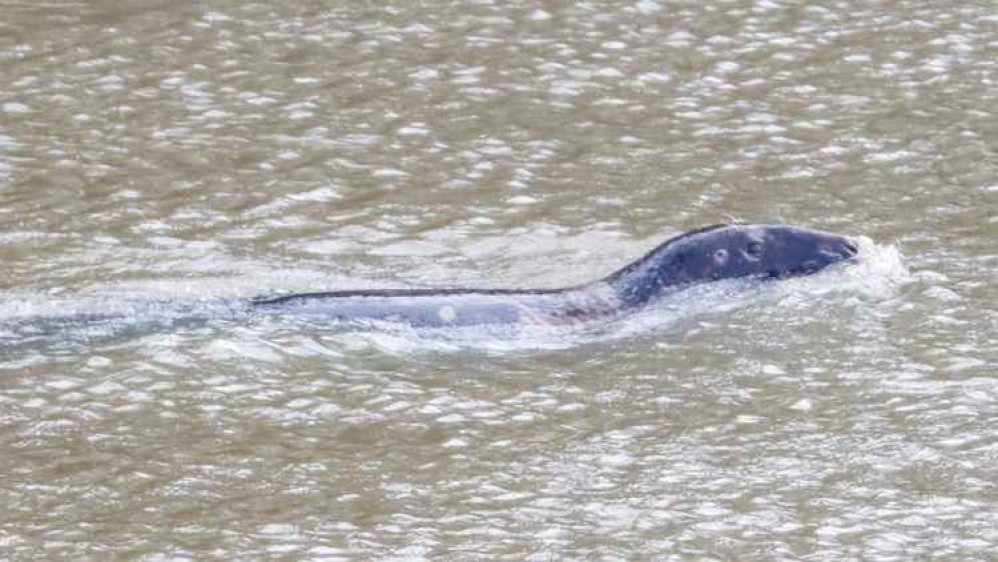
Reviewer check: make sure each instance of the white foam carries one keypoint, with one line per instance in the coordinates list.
(876, 274)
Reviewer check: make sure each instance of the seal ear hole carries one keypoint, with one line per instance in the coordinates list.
(754, 249)
(720, 256)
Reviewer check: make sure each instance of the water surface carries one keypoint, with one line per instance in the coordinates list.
(150, 150)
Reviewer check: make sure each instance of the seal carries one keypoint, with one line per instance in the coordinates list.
(732, 251)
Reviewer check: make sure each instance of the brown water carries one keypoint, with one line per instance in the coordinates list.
(156, 150)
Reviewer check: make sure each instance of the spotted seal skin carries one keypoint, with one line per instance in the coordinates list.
(760, 251)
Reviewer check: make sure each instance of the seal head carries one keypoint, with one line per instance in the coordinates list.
(759, 251)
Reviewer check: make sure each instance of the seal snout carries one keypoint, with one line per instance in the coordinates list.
(849, 249)
(840, 250)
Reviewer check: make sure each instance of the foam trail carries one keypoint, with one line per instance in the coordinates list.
(32, 320)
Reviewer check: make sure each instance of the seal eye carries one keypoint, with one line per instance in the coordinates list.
(754, 249)
(720, 256)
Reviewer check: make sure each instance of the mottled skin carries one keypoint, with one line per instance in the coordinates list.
(710, 254)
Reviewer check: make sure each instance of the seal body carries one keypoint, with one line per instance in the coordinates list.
(451, 307)
(758, 251)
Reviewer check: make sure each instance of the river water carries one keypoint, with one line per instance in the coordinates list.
(165, 150)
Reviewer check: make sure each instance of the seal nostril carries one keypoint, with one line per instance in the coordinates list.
(849, 249)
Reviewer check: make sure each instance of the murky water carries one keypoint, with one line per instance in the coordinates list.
(156, 150)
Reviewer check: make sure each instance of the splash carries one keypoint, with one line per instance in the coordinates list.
(876, 274)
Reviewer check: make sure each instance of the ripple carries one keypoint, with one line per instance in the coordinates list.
(168, 153)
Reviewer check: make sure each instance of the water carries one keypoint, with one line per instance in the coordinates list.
(155, 151)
